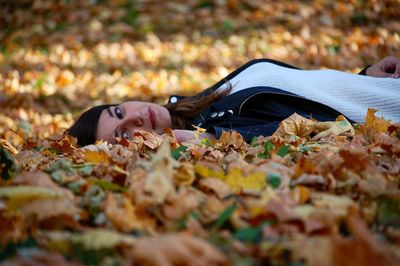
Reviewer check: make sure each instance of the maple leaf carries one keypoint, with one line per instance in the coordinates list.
(97, 157)
(124, 215)
(377, 123)
(66, 145)
(237, 182)
(232, 139)
(294, 125)
(235, 178)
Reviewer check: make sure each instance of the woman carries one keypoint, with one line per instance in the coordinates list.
(253, 100)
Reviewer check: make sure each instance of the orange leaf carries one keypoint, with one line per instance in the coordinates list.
(377, 123)
(97, 157)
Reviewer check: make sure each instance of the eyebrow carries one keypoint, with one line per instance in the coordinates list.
(109, 111)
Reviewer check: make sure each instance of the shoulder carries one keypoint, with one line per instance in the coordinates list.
(242, 69)
(264, 60)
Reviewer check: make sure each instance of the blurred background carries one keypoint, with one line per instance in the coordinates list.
(60, 57)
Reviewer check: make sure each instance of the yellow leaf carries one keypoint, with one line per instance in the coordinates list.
(97, 157)
(377, 123)
(206, 172)
(258, 205)
(235, 179)
(301, 194)
(198, 131)
(185, 174)
(101, 239)
(18, 195)
(339, 127)
(237, 182)
(123, 214)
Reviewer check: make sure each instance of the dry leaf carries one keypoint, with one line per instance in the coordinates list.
(47, 208)
(124, 215)
(377, 123)
(159, 184)
(295, 125)
(97, 157)
(176, 250)
(364, 248)
(214, 185)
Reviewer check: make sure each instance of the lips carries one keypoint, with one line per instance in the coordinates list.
(152, 117)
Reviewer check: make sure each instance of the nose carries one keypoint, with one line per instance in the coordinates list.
(133, 119)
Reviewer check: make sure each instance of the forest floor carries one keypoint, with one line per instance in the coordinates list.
(311, 194)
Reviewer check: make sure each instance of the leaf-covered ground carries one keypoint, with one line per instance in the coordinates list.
(311, 194)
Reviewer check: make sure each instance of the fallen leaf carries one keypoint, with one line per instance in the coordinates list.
(47, 208)
(377, 123)
(97, 157)
(123, 214)
(177, 250)
(18, 195)
(295, 125)
(159, 182)
(364, 248)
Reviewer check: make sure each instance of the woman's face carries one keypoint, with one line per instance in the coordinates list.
(121, 120)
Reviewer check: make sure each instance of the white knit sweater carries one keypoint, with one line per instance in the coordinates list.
(348, 93)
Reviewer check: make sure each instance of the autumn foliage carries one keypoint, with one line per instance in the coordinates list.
(313, 193)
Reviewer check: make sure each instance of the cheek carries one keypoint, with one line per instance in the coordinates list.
(105, 128)
(166, 118)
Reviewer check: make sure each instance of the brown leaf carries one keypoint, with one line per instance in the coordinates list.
(39, 257)
(310, 180)
(176, 249)
(124, 216)
(12, 227)
(48, 208)
(31, 159)
(214, 185)
(149, 139)
(377, 123)
(231, 139)
(66, 145)
(181, 204)
(159, 184)
(294, 125)
(184, 174)
(41, 179)
(363, 247)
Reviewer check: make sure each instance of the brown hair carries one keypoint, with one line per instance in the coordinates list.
(182, 113)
